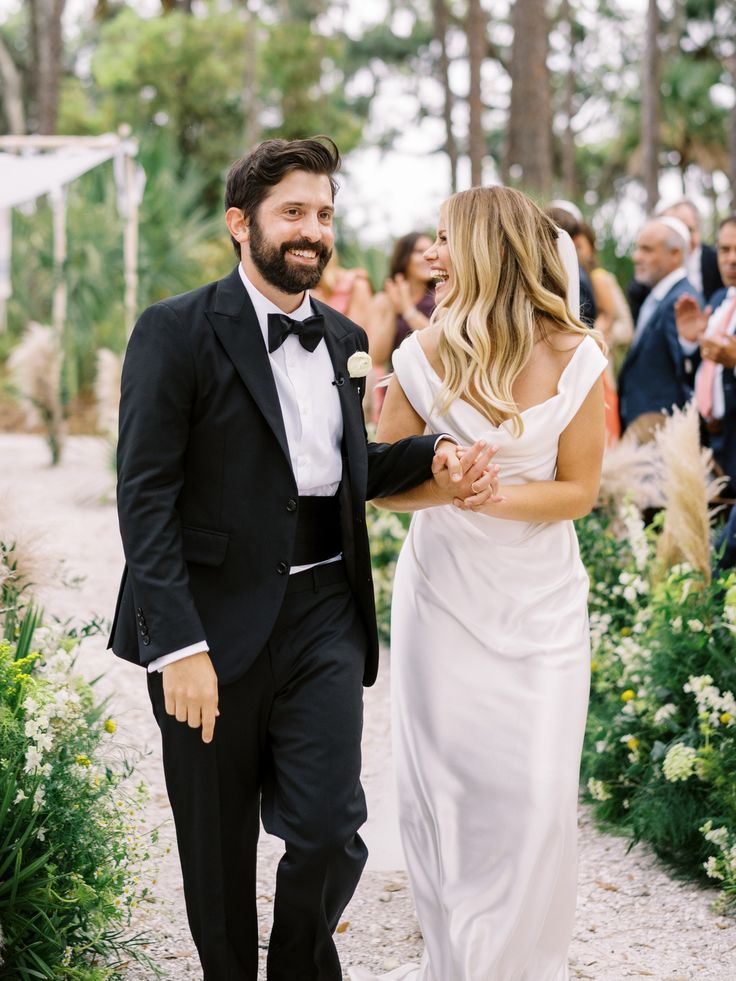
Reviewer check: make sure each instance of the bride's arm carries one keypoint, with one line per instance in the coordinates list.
(573, 492)
(398, 420)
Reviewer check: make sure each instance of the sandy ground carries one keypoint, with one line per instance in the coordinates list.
(633, 919)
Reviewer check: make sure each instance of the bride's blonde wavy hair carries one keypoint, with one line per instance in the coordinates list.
(508, 283)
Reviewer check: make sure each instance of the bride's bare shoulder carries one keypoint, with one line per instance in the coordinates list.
(560, 345)
(429, 340)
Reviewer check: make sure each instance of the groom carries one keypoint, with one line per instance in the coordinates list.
(243, 472)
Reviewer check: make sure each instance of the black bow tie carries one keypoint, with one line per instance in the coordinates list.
(310, 331)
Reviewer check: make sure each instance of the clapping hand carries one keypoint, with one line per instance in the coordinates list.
(399, 293)
(722, 350)
(465, 476)
(691, 321)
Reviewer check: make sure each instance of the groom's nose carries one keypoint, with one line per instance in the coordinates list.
(310, 227)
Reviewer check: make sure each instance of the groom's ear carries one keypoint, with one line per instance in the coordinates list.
(238, 225)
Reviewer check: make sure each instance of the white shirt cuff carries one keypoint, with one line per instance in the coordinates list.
(160, 663)
(688, 347)
(447, 437)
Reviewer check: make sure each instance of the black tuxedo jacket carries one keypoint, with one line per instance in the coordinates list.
(206, 493)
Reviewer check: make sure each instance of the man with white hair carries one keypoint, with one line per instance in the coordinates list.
(702, 260)
(657, 374)
(701, 263)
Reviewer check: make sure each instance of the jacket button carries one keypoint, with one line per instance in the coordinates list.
(144, 630)
(146, 640)
(139, 611)
(291, 504)
(282, 568)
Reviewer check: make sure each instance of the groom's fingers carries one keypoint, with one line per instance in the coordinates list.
(209, 714)
(446, 458)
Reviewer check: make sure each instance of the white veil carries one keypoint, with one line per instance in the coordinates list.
(569, 258)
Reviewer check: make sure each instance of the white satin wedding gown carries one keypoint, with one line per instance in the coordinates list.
(490, 673)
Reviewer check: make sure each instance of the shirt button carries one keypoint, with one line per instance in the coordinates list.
(291, 504)
(146, 641)
(282, 568)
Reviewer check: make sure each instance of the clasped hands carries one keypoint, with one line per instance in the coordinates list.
(465, 476)
(691, 325)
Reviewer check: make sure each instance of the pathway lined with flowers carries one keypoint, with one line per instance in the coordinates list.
(633, 919)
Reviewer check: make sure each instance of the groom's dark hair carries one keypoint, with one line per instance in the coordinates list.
(252, 176)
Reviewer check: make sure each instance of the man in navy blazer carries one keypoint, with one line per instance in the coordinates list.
(657, 373)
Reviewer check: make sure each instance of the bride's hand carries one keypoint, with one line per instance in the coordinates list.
(470, 475)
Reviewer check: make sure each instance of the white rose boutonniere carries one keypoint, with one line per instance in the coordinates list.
(359, 364)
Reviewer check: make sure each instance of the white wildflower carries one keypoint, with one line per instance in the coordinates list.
(679, 763)
(664, 713)
(711, 868)
(598, 790)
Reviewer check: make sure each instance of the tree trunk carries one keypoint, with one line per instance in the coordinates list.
(568, 137)
(476, 34)
(12, 89)
(650, 108)
(439, 10)
(48, 50)
(528, 159)
(251, 105)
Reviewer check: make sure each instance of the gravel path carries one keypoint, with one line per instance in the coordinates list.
(633, 919)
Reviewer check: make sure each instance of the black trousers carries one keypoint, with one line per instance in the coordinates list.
(287, 739)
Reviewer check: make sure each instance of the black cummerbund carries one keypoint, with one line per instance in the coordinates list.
(318, 530)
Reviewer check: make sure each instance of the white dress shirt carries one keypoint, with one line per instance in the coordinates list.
(694, 270)
(715, 325)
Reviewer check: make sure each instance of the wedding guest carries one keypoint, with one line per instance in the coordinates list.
(407, 300)
(657, 373)
(613, 320)
(714, 330)
(702, 261)
(489, 637)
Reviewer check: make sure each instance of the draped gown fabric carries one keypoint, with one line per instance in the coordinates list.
(490, 674)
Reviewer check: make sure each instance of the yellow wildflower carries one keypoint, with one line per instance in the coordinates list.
(82, 760)
(725, 718)
(632, 743)
(627, 695)
(109, 726)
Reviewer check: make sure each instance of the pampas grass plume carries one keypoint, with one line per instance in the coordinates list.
(688, 487)
(107, 390)
(34, 366)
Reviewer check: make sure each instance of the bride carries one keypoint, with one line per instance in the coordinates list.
(490, 649)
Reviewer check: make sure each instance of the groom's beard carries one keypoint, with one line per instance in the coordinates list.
(271, 262)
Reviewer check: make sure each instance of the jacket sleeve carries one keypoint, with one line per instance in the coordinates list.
(397, 467)
(157, 394)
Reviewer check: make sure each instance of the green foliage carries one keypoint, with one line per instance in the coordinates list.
(387, 532)
(661, 747)
(64, 909)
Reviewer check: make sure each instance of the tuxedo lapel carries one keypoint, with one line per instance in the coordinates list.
(234, 321)
(341, 343)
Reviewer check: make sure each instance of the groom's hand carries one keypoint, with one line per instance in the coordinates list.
(190, 692)
(460, 472)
